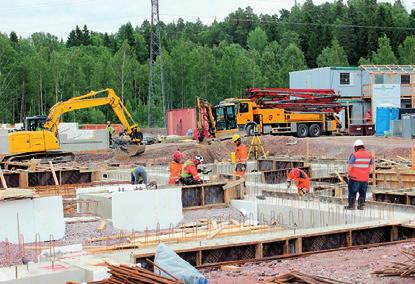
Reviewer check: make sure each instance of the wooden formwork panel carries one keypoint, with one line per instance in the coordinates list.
(292, 245)
(397, 179)
(206, 195)
(12, 179)
(406, 197)
(271, 164)
(25, 179)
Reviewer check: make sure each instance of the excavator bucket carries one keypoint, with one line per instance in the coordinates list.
(135, 150)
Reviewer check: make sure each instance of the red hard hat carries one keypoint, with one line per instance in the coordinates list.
(296, 172)
(177, 156)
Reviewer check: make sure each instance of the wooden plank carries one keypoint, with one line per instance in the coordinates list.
(3, 180)
(55, 178)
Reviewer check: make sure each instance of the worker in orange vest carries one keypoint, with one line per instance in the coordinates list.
(301, 180)
(368, 117)
(241, 155)
(358, 170)
(190, 175)
(175, 167)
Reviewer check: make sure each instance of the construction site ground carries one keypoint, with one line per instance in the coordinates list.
(339, 147)
(350, 266)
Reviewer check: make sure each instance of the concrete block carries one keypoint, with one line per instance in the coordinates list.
(84, 140)
(141, 210)
(43, 216)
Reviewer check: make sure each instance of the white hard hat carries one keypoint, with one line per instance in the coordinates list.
(358, 142)
(199, 158)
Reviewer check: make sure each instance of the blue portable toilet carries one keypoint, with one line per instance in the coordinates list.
(383, 117)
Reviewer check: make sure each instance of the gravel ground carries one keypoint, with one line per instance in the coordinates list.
(352, 266)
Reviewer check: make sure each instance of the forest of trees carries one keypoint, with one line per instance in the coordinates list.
(212, 61)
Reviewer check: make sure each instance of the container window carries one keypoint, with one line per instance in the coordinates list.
(405, 79)
(344, 78)
(379, 79)
(243, 108)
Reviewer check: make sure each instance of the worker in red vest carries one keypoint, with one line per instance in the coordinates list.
(241, 155)
(175, 167)
(190, 173)
(368, 117)
(301, 180)
(358, 170)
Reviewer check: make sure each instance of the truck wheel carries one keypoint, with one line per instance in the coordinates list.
(315, 130)
(302, 130)
(250, 131)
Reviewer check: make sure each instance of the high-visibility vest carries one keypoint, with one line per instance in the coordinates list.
(360, 169)
(241, 154)
(184, 174)
(175, 172)
(302, 182)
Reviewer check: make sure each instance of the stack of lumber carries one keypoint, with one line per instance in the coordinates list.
(16, 193)
(300, 277)
(133, 275)
(401, 269)
(195, 231)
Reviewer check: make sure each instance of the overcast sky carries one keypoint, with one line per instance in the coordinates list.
(58, 17)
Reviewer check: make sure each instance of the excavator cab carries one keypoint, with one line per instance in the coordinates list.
(34, 123)
(226, 116)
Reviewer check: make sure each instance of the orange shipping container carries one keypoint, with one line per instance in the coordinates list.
(179, 121)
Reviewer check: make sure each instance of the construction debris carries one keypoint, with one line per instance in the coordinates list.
(16, 193)
(401, 269)
(299, 277)
(133, 275)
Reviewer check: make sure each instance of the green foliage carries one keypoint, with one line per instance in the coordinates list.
(257, 39)
(384, 54)
(213, 61)
(332, 56)
(293, 60)
(407, 51)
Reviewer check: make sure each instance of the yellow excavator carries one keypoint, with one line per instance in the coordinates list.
(39, 139)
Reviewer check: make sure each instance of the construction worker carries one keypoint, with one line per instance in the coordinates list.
(175, 168)
(358, 170)
(110, 132)
(138, 175)
(368, 117)
(301, 180)
(241, 155)
(190, 173)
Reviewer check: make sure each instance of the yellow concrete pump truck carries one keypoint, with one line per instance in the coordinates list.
(299, 112)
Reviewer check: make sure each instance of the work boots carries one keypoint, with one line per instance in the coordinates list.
(360, 204)
(351, 205)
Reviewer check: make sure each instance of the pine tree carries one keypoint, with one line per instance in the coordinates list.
(13, 37)
(332, 56)
(384, 54)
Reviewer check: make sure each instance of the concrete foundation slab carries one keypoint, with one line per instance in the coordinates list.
(43, 216)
